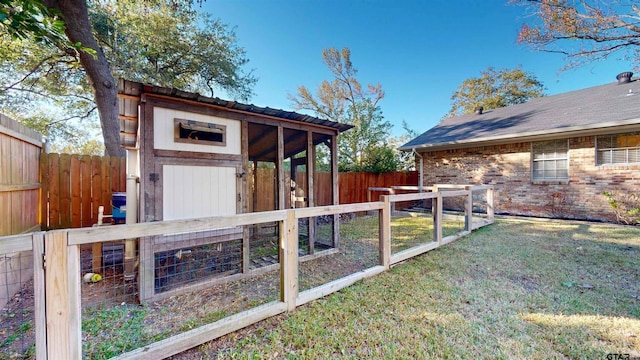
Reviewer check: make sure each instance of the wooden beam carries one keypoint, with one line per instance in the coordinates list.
(334, 189)
(289, 260)
(128, 97)
(311, 192)
(384, 233)
(129, 118)
(278, 120)
(39, 283)
(21, 187)
(412, 252)
(468, 209)
(128, 231)
(280, 169)
(189, 339)
(436, 212)
(58, 296)
(336, 285)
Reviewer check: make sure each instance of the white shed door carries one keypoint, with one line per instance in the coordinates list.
(190, 192)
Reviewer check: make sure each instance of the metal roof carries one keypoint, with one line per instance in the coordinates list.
(129, 93)
(592, 110)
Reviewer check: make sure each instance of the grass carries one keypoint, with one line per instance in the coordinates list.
(518, 289)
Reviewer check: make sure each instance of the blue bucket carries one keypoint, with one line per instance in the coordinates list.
(118, 202)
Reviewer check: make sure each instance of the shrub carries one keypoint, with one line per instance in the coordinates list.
(626, 206)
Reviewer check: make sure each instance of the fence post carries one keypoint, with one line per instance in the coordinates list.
(62, 278)
(39, 295)
(384, 232)
(437, 217)
(490, 209)
(468, 209)
(289, 260)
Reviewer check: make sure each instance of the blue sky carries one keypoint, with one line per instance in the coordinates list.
(419, 51)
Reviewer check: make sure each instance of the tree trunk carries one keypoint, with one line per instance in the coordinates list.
(76, 18)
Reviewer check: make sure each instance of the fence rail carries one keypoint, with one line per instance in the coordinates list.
(80, 316)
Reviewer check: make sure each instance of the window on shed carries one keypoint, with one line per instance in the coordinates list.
(618, 149)
(197, 132)
(550, 160)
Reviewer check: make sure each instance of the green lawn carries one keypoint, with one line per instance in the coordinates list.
(518, 289)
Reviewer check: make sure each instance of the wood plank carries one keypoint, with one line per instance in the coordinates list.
(146, 283)
(44, 192)
(40, 316)
(15, 243)
(54, 191)
(384, 233)
(74, 306)
(19, 187)
(76, 192)
(436, 211)
(468, 210)
(288, 235)
(490, 204)
(336, 285)
(105, 197)
(337, 209)
(128, 231)
(21, 137)
(413, 252)
(417, 196)
(58, 297)
(117, 183)
(189, 339)
(280, 171)
(96, 187)
(65, 191)
(85, 191)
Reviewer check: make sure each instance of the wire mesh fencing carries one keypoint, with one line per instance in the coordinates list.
(17, 302)
(352, 249)
(180, 282)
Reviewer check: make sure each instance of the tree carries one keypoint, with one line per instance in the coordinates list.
(583, 30)
(126, 33)
(345, 101)
(495, 89)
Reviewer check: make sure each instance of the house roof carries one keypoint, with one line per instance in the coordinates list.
(599, 109)
(129, 97)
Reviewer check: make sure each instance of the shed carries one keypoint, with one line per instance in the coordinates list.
(197, 156)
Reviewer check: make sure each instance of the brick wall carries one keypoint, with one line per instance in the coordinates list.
(508, 167)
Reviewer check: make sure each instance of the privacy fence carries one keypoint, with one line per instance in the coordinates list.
(74, 186)
(204, 284)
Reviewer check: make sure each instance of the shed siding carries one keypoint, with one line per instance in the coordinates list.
(163, 132)
(198, 191)
(508, 167)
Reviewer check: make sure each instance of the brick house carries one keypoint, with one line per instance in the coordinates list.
(553, 156)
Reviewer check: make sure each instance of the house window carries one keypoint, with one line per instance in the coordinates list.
(618, 149)
(197, 132)
(550, 160)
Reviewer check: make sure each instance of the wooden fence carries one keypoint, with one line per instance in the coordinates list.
(60, 321)
(352, 186)
(73, 186)
(19, 177)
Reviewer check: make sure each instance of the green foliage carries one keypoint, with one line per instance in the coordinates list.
(174, 46)
(166, 43)
(364, 148)
(111, 332)
(344, 100)
(626, 206)
(495, 89)
(31, 19)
